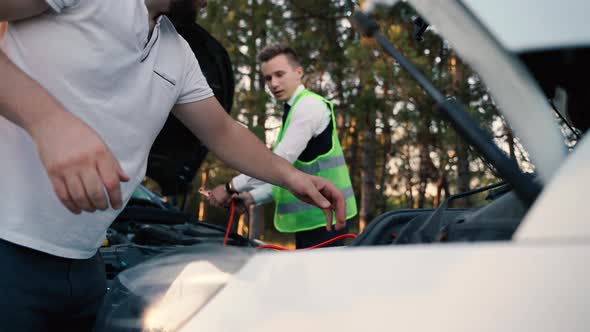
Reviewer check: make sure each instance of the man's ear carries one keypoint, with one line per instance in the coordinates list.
(299, 71)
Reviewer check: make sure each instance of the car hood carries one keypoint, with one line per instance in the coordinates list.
(177, 154)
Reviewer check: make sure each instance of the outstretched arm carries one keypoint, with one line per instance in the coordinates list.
(309, 118)
(12, 10)
(242, 150)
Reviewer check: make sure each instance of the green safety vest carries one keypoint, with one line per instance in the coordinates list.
(293, 215)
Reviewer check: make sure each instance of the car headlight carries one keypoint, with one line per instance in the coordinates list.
(165, 291)
(194, 286)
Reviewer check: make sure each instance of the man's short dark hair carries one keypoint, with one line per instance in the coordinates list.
(271, 51)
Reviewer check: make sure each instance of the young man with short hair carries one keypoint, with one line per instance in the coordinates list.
(307, 139)
(85, 87)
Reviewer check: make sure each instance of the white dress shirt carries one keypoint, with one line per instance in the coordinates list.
(309, 118)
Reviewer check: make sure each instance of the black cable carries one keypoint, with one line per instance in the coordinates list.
(477, 190)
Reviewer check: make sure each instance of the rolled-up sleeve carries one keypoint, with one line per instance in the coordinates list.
(262, 194)
(59, 5)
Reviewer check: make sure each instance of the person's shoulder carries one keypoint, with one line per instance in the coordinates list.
(172, 40)
(184, 45)
(313, 101)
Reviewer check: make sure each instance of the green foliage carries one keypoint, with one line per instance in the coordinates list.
(416, 151)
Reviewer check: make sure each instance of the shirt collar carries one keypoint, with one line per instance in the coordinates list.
(297, 91)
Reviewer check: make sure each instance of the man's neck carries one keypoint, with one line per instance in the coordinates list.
(295, 93)
(155, 9)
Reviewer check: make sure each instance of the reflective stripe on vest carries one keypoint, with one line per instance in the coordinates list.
(322, 165)
(298, 206)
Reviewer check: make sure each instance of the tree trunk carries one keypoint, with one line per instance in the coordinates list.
(257, 106)
(382, 200)
(406, 172)
(351, 152)
(422, 177)
(463, 174)
(409, 191)
(202, 204)
(367, 209)
(441, 185)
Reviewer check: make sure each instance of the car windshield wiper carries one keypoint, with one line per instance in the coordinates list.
(525, 188)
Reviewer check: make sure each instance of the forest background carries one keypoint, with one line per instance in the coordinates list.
(400, 152)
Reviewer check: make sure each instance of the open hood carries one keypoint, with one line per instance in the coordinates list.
(532, 57)
(502, 41)
(177, 154)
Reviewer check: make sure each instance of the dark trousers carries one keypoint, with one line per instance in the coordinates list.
(306, 239)
(41, 292)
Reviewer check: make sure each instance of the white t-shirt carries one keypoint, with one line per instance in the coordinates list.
(93, 56)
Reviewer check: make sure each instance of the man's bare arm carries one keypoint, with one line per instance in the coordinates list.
(20, 110)
(12, 10)
(78, 162)
(242, 150)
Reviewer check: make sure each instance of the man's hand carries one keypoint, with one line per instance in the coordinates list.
(79, 164)
(321, 193)
(244, 199)
(219, 197)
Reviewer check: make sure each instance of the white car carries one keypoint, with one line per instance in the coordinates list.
(536, 280)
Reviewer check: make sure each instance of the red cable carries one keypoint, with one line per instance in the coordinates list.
(231, 219)
(319, 245)
(339, 237)
(271, 246)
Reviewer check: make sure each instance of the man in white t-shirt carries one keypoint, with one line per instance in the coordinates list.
(85, 87)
